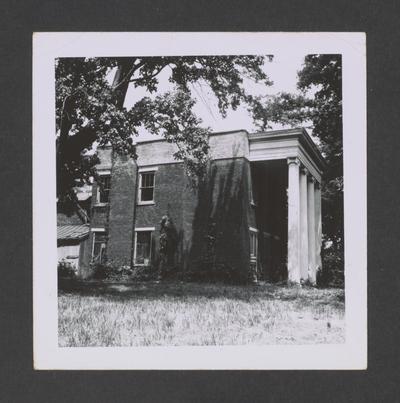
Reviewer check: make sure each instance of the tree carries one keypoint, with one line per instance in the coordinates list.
(319, 104)
(90, 107)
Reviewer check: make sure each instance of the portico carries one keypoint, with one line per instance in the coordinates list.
(305, 165)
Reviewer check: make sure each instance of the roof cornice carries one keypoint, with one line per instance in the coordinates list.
(300, 133)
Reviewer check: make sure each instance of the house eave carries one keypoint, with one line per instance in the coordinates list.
(288, 134)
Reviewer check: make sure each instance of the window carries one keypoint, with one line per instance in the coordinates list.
(103, 189)
(253, 243)
(99, 247)
(143, 247)
(146, 188)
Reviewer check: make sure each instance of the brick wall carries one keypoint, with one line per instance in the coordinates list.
(222, 201)
(121, 210)
(168, 191)
(223, 211)
(98, 219)
(98, 213)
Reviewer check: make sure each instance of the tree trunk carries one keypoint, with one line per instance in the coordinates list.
(125, 69)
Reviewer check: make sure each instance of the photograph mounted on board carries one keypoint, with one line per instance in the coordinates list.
(199, 201)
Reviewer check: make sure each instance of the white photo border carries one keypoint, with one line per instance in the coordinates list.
(47, 354)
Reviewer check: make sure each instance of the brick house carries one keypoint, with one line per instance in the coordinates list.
(260, 203)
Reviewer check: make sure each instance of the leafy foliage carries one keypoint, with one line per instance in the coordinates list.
(90, 107)
(170, 115)
(66, 269)
(284, 108)
(332, 274)
(325, 72)
(110, 271)
(320, 105)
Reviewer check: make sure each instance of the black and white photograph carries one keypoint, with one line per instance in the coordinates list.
(197, 202)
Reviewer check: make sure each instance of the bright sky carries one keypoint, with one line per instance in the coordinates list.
(282, 71)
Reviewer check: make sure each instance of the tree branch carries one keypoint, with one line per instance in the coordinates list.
(149, 77)
(128, 75)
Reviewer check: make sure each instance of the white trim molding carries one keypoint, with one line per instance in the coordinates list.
(148, 169)
(293, 145)
(145, 229)
(98, 230)
(98, 204)
(103, 172)
(146, 203)
(253, 236)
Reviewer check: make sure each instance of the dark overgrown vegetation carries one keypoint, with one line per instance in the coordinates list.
(332, 273)
(66, 270)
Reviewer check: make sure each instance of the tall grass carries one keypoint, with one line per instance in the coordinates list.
(199, 314)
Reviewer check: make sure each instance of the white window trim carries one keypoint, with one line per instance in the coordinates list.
(105, 172)
(254, 231)
(148, 169)
(99, 231)
(146, 202)
(142, 229)
(98, 204)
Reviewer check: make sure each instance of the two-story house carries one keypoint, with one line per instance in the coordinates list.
(260, 203)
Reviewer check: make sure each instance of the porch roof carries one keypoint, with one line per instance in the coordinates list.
(72, 232)
(287, 143)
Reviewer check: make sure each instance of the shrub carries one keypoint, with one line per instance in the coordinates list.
(110, 271)
(66, 269)
(102, 271)
(332, 273)
(143, 273)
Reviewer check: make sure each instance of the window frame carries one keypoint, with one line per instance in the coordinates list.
(253, 232)
(146, 170)
(96, 231)
(103, 174)
(143, 229)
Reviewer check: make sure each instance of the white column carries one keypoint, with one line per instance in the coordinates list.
(293, 220)
(318, 226)
(303, 225)
(312, 270)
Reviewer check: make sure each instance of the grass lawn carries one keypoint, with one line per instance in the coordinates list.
(171, 314)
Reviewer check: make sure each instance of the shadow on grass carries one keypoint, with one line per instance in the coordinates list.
(155, 290)
(151, 290)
